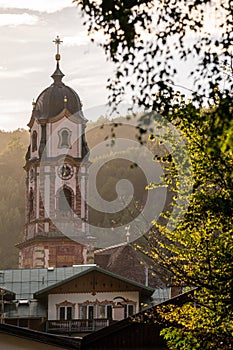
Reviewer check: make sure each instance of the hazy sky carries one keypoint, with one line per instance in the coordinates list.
(27, 60)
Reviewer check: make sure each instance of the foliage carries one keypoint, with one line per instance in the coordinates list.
(193, 333)
(147, 40)
(199, 252)
(150, 41)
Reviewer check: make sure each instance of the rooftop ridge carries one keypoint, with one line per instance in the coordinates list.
(111, 247)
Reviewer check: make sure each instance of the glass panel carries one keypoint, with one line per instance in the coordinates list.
(125, 311)
(31, 201)
(101, 311)
(65, 136)
(130, 310)
(69, 313)
(83, 312)
(34, 141)
(109, 312)
(62, 313)
(90, 312)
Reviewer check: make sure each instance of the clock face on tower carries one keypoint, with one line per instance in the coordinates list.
(65, 171)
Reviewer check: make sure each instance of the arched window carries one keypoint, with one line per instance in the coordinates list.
(34, 141)
(31, 198)
(64, 138)
(65, 199)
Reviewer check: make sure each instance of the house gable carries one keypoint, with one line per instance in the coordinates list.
(95, 280)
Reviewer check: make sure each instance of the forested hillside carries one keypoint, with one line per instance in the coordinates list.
(13, 146)
(116, 167)
(116, 164)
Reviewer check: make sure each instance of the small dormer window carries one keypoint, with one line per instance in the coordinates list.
(34, 141)
(64, 138)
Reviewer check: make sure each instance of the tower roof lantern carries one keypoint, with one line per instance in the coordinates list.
(57, 75)
(51, 100)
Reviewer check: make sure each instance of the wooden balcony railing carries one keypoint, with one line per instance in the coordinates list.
(76, 326)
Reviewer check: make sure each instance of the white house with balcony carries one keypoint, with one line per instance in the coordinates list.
(69, 300)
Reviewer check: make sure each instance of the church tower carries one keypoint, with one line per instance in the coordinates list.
(56, 183)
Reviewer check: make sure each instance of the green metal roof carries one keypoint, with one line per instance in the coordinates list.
(26, 282)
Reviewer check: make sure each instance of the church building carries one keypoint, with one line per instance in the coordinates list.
(62, 285)
(57, 163)
(56, 233)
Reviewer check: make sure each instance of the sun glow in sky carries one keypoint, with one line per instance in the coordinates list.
(27, 60)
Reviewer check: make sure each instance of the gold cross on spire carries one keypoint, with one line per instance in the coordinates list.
(57, 42)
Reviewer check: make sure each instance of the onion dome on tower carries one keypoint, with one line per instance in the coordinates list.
(56, 102)
(58, 96)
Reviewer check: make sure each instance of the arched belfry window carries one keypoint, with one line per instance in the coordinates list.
(65, 199)
(34, 141)
(64, 138)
